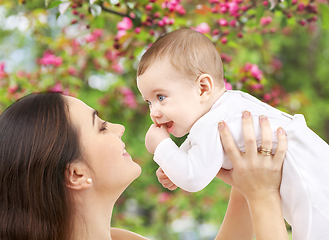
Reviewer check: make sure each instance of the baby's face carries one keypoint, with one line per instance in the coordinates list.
(174, 100)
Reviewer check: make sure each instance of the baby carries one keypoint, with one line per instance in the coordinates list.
(181, 78)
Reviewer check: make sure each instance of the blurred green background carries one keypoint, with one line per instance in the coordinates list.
(278, 52)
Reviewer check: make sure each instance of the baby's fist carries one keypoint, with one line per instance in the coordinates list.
(164, 180)
(154, 136)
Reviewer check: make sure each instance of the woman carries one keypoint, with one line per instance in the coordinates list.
(62, 169)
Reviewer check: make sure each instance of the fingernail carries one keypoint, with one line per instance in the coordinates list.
(262, 118)
(221, 125)
(280, 130)
(246, 114)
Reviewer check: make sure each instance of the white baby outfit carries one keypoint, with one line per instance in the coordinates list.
(305, 180)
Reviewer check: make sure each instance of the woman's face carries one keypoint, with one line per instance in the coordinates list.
(112, 167)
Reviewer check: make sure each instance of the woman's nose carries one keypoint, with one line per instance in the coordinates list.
(118, 129)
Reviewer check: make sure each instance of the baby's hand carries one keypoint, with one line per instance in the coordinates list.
(164, 180)
(154, 136)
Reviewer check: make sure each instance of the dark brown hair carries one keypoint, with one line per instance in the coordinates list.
(37, 143)
(189, 52)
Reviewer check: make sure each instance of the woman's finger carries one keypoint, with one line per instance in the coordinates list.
(249, 133)
(282, 147)
(266, 133)
(231, 150)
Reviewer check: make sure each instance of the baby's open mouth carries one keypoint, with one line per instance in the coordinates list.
(170, 126)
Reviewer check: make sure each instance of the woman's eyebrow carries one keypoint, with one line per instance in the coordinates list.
(95, 113)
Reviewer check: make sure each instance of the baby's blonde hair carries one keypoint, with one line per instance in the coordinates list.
(189, 52)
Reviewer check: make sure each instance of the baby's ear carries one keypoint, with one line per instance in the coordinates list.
(206, 85)
(77, 176)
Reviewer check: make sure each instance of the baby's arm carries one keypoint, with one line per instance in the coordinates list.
(192, 169)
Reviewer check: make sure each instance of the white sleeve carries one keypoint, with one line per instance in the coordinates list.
(195, 169)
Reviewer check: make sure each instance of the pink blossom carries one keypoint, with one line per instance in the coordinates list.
(72, 70)
(302, 22)
(161, 23)
(215, 32)
(267, 97)
(156, 15)
(20, 74)
(256, 72)
(228, 85)
(233, 8)
(90, 38)
(66, 92)
(58, 87)
(277, 64)
(226, 58)
(2, 66)
(301, 7)
(222, 22)
(224, 40)
(13, 88)
(166, 19)
(137, 30)
(180, 9)
(98, 32)
(125, 24)
(2, 70)
(213, 1)
(223, 9)
(164, 197)
(233, 23)
(111, 55)
(117, 67)
(257, 86)
(247, 67)
(95, 35)
(129, 97)
(265, 20)
(148, 7)
(203, 28)
(120, 34)
(50, 59)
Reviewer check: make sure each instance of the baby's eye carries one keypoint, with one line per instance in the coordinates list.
(148, 102)
(161, 97)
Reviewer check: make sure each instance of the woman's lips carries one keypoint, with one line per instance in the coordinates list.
(125, 153)
(170, 127)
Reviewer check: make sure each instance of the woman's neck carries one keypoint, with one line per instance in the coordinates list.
(93, 219)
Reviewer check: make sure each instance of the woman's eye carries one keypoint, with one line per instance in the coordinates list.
(161, 97)
(103, 127)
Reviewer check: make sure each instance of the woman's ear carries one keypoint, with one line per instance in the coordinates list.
(205, 84)
(78, 176)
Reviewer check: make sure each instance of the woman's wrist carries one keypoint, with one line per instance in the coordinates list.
(258, 197)
(267, 217)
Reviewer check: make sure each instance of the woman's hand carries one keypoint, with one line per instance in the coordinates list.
(253, 174)
(258, 178)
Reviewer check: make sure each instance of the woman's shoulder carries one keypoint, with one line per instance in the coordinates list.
(121, 234)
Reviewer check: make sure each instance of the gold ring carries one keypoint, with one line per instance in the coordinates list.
(265, 152)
